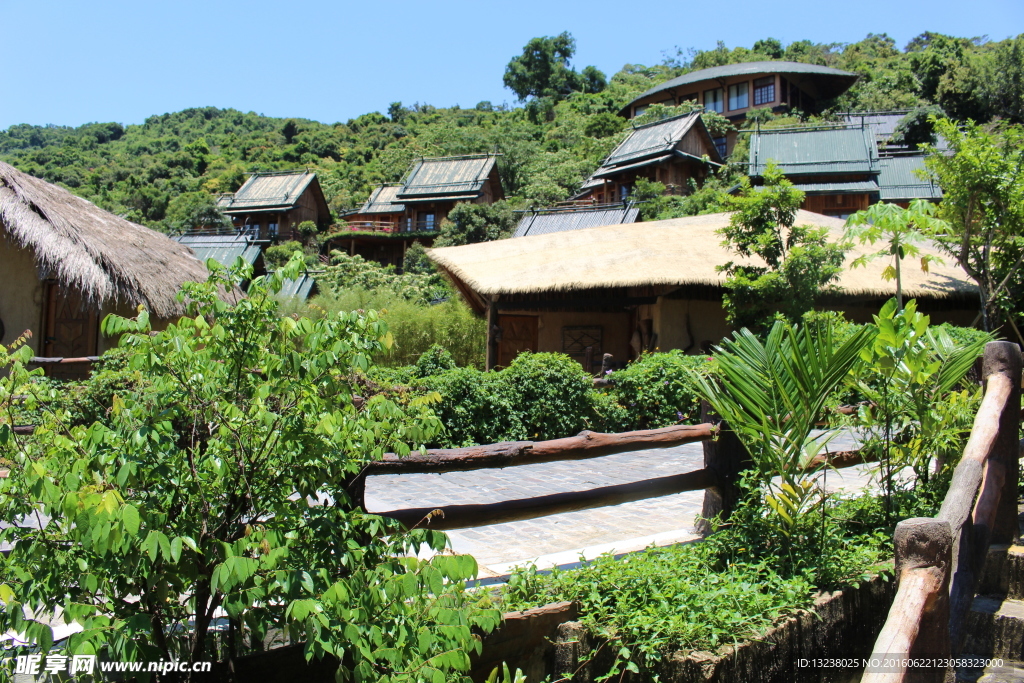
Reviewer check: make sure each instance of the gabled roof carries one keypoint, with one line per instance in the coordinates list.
(881, 123)
(546, 221)
(446, 178)
(898, 181)
(224, 249)
(823, 150)
(382, 200)
(267, 191)
(106, 258)
(300, 288)
(676, 252)
(654, 143)
(816, 81)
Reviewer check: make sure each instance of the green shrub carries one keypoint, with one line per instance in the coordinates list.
(553, 394)
(415, 326)
(657, 389)
(434, 360)
(476, 407)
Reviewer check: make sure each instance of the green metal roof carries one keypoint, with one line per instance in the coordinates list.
(855, 187)
(812, 151)
(267, 191)
(817, 81)
(382, 200)
(652, 139)
(301, 287)
(222, 248)
(898, 181)
(652, 143)
(446, 178)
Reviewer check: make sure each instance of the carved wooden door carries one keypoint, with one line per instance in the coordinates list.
(518, 334)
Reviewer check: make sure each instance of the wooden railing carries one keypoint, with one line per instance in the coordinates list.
(724, 459)
(939, 560)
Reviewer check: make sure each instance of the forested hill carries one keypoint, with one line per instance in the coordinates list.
(158, 172)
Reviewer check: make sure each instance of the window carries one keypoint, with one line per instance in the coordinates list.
(695, 98)
(425, 221)
(738, 98)
(764, 90)
(720, 145)
(637, 111)
(713, 100)
(272, 229)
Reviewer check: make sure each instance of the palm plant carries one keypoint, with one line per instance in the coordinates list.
(772, 394)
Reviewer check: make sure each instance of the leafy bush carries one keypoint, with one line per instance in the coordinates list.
(415, 326)
(354, 272)
(476, 408)
(279, 254)
(434, 360)
(657, 389)
(552, 392)
(184, 501)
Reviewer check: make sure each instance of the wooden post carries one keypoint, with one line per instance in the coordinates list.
(1004, 358)
(924, 542)
(726, 457)
(492, 343)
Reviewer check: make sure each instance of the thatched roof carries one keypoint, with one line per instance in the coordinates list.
(676, 252)
(108, 259)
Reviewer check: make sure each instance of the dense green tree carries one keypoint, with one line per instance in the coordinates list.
(983, 203)
(194, 210)
(799, 261)
(544, 71)
(469, 223)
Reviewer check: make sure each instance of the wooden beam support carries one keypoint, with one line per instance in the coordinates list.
(463, 516)
(491, 358)
(510, 453)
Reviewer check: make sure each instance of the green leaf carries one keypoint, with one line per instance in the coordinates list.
(130, 519)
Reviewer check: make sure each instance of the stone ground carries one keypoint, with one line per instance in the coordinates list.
(561, 539)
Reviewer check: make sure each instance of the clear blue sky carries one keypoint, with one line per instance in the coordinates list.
(72, 62)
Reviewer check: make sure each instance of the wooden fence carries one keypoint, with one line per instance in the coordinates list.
(939, 560)
(724, 459)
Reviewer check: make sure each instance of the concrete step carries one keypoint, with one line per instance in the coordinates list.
(995, 627)
(1004, 572)
(1010, 672)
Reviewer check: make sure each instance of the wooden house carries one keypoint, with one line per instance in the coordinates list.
(733, 90)
(672, 151)
(397, 214)
(626, 289)
(271, 205)
(839, 168)
(67, 264)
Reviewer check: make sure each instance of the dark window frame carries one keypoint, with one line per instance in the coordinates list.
(764, 90)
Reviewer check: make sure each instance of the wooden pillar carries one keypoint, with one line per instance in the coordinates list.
(927, 543)
(492, 328)
(726, 457)
(1004, 358)
(352, 247)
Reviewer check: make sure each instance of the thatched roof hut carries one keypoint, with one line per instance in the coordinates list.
(675, 252)
(625, 289)
(108, 259)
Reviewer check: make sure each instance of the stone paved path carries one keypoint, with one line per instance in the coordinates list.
(623, 528)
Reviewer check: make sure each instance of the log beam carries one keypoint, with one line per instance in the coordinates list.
(509, 453)
(463, 516)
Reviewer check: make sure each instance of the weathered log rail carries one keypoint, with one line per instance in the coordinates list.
(722, 459)
(939, 560)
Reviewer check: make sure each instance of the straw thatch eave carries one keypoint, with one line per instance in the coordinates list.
(676, 252)
(108, 259)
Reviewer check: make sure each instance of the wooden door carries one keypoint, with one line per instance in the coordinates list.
(70, 330)
(518, 334)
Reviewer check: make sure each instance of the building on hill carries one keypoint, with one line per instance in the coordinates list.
(67, 264)
(673, 151)
(626, 289)
(839, 168)
(733, 90)
(397, 214)
(271, 204)
(575, 217)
